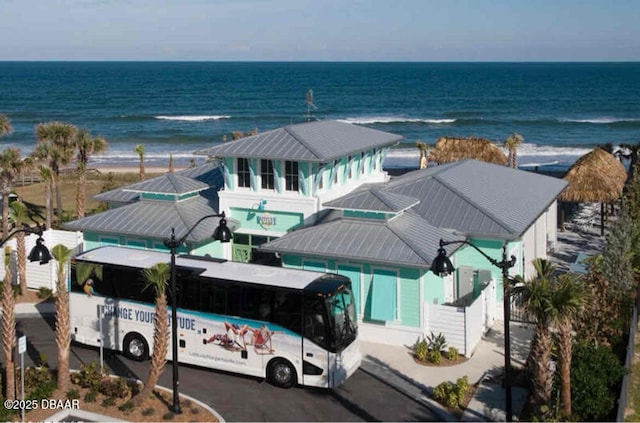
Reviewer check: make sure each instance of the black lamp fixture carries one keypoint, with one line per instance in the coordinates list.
(222, 233)
(39, 252)
(441, 265)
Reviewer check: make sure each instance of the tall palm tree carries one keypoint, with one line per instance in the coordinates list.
(5, 125)
(568, 302)
(535, 296)
(47, 179)
(156, 277)
(86, 145)
(8, 326)
(12, 165)
(63, 330)
(19, 215)
(139, 150)
(511, 144)
(56, 146)
(423, 148)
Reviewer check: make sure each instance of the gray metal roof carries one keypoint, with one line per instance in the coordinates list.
(208, 174)
(318, 141)
(374, 200)
(479, 198)
(155, 219)
(406, 240)
(169, 183)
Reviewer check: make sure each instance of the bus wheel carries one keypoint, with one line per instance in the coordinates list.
(281, 373)
(135, 347)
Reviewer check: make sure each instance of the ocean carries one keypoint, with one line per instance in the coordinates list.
(562, 110)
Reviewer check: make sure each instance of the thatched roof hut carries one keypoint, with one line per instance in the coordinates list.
(596, 177)
(450, 149)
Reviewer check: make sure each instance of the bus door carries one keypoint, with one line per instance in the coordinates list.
(316, 358)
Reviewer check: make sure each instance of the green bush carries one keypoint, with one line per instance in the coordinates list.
(452, 354)
(434, 356)
(38, 382)
(436, 342)
(91, 396)
(109, 402)
(89, 376)
(127, 407)
(148, 411)
(45, 293)
(73, 394)
(451, 394)
(420, 350)
(168, 416)
(596, 374)
(114, 387)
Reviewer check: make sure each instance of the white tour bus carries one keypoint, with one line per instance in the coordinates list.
(288, 326)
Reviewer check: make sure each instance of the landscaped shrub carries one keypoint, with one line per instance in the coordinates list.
(38, 382)
(114, 387)
(148, 411)
(596, 373)
(420, 350)
(436, 342)
(452, 354)
(109, 402)
(45, 293)
(89, 376)
(73, 394)
(451, 394)
(91, 396)
(127, 407)
(434, 356)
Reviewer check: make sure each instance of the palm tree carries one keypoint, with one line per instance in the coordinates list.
(19, 215)
(423, 148)
(47, 179)
(63, 330)
(12, 165)
(511, 144)
(156, 277)
(5, 125)
(56, 145)
(8, 326)
(534, 296)
(568, 302)
(139, 150)
(86, 145)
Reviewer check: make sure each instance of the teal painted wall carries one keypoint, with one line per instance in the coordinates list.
(213, 249)
(229, 171)
(408, 280)
(468, 256)
(433, 292)
(305, 178)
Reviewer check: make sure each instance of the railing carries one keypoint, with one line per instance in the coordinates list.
(626, 380)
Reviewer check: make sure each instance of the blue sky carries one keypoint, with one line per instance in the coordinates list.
(322, 30)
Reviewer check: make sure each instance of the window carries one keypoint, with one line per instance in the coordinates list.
(244, 175)
(362, 163)
(349, 168)
(291, 182)
(266, 174)
(321, 178)
(374, 158)
(335, 171)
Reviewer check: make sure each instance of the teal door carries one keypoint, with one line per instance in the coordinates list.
(353, 273)
(383, 295)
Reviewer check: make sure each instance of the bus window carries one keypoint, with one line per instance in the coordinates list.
(189, 292)
(131, 284)
(314, 320)
(286, 310)
(212, 297)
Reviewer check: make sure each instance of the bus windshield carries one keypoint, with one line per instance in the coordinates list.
(342, 323)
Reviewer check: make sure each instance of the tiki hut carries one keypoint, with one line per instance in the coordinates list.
(596, 177)
(449, 149)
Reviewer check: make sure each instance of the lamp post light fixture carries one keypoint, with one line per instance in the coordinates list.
(39, 252)
(442, 266)
(222, 234)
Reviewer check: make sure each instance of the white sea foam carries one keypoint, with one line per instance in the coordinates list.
(600, 120)
(194, 118)
(393, 119)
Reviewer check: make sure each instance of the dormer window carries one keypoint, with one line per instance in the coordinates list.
(291, 182)
(244, 174)
(266, 174)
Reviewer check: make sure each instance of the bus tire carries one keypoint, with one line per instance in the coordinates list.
(281, 373)
(135, 347)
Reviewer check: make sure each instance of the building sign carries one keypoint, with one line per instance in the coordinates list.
(266, 220)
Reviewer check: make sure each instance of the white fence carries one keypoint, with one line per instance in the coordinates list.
(43, 275)
(463, 327)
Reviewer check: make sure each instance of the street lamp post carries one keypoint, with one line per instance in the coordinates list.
(39, 252)
(442, 265)
(222, 234)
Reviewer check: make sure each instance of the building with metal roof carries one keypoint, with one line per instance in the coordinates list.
(385, 236)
